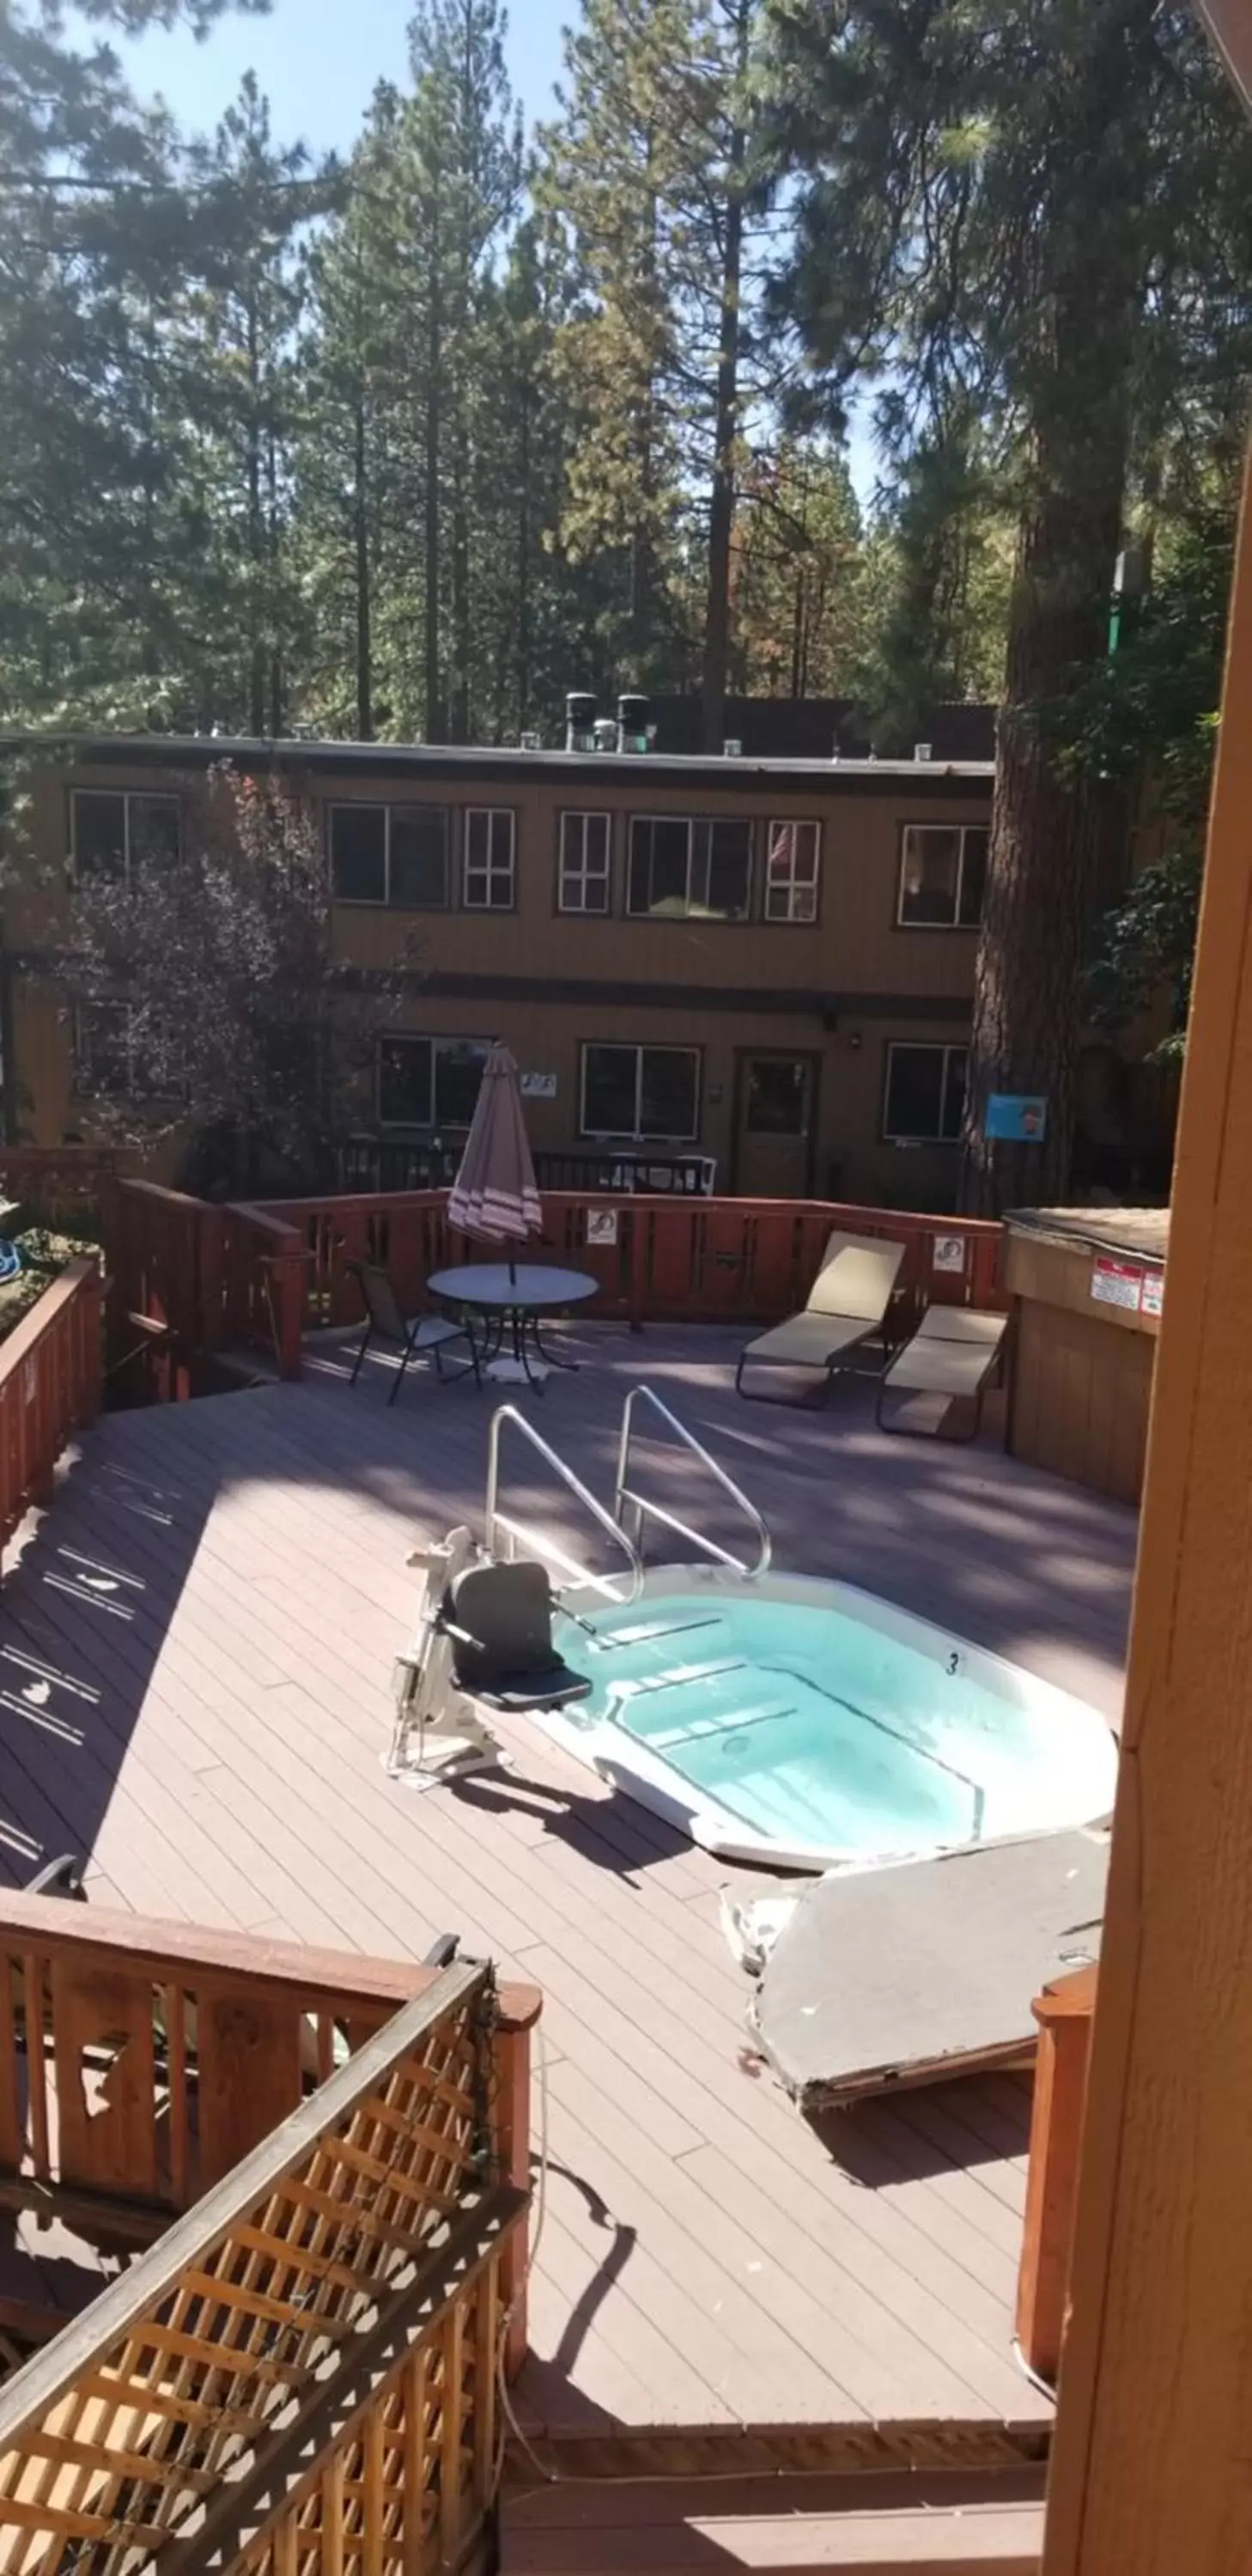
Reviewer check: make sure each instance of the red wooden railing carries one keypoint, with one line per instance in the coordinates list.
(51, 1367)
(260, 1276)
(657, 1260)
(1063, 2011)
(60, 1185)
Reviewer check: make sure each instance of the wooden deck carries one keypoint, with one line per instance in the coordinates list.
(195, 1660)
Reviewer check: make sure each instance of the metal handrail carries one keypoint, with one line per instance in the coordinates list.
(530, 1537)
(642, 1504)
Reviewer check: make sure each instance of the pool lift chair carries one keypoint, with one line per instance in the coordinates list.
(484, 1640)
(483, 1635)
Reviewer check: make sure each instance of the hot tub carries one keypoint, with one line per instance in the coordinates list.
(802, 1723)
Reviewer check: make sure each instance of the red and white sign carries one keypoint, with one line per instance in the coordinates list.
(1153, 1297)
(1116, 1283)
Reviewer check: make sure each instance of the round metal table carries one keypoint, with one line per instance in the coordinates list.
(511, 1300)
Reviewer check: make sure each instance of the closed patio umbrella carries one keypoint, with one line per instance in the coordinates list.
(494, 1194)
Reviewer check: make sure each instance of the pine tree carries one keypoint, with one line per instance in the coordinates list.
(1040, 212)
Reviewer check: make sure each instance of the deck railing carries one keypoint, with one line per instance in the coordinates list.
(1064, 2012)
(657, 1260)
(51, 1366)
(260, 1275)
(327, 2158)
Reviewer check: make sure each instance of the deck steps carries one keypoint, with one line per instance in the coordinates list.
(990, 2524)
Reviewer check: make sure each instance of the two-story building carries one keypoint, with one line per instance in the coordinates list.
(768, 963)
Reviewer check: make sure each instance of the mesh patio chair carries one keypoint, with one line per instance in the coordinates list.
(386, 1322)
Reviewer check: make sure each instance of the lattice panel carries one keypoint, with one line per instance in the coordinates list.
(411, 2480)
(161, 2406)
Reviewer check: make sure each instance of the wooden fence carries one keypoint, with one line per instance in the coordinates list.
(1064, 2012)
(258, 1277)
(51, 1367)
(304, 2362)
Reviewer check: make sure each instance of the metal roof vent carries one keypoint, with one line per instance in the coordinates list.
(732, 748)
(580, 721)
(632, 723)
(921, 751)
(605, 733)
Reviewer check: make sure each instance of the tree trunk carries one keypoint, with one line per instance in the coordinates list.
(1047, 823)
(725, 434)
(460, 726)
(435, 723)
(256, 533)
(360, 531)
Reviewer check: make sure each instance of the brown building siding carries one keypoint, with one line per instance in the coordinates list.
(830, 995)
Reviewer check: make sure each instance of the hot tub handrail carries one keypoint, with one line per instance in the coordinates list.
(496, 1520)
(625, 1493)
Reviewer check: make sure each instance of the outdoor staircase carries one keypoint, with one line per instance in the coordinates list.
(788, 2524)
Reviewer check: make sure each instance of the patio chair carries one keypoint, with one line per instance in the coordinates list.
(385, 1322)
(955, 1352)
(845, 1308)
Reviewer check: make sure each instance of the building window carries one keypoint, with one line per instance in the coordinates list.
(109, 1060)
(791, 866)
(943, 869)
(114, 830)
(925, 1099)
(429, 1082)
(583, 875)
(696, 870)
(489, 858)
(648, 1092)
(390, 854)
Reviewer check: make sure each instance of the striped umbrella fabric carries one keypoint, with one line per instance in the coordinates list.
(494, 1194)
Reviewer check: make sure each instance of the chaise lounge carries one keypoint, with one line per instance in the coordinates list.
(845, 1308)
(954, 1353)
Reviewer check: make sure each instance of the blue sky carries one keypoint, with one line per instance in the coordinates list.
(318, 61)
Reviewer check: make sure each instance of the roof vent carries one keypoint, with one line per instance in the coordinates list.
(604, 733)
(529, 742)
(632, 723)
(732, 748)
(580, 721)
(921, 751)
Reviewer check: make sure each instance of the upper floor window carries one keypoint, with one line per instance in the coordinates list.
(689, 870)
(583, 872)
(641, 1091)
(429, 1082)
(791, 866)
(115, 829)
(943, 869)
(925, 1095)
(490, 859)
(390, 854)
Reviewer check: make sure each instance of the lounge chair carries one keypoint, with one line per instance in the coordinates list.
(955, 1352)
(385, 1322)
(846, 1307)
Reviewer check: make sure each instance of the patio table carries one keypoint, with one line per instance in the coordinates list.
(511, 1299)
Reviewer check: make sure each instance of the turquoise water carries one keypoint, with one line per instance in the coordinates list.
(815, 1728)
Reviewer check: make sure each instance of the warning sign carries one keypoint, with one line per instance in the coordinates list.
(948, 1253)
(1116, 1283)
(1153, 1297)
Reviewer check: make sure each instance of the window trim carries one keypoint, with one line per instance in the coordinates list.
(945, 1047)
(705, 920)
(640, 1046)
(583, 814)
(947, 927)
(386, 806)
(492, 813)
(792, 921)
(434, 1040)
(151, 795)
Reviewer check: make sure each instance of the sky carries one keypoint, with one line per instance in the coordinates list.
(318, 61)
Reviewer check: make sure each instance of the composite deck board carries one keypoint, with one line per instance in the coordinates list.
(195, 1651)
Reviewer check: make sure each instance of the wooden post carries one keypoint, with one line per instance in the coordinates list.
(513, 2152)
(1063, 2012)
(1150, 2470)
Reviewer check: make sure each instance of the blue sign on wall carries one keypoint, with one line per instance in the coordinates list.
(1017, 1117)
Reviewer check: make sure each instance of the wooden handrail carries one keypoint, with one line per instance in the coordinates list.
(1063, 2012)
(51, 1369)
(180, 2376)
(147, 1948)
